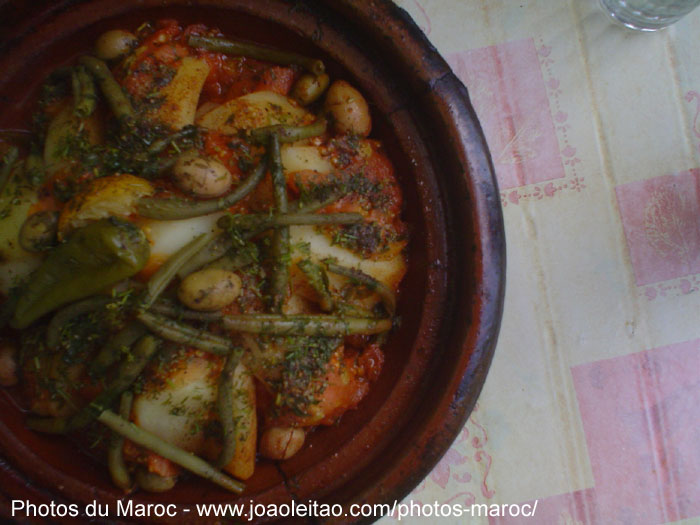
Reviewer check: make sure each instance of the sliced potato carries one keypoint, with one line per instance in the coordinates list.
(301, 158)
(388, 271)
(105, 197)
(182, 94)
(254, 110)
(167, 237)
(178, 409)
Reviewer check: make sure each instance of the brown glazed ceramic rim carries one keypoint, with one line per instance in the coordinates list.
(455, 317)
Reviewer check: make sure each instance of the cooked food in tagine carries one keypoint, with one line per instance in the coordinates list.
(201, 249)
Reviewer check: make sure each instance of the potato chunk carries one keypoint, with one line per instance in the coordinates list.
(182, 94)
(255, 110)
(115, 195)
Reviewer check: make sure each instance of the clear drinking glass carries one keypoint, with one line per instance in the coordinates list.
(648, 15)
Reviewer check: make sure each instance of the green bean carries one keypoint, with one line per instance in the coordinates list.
(264, 221)
(228, 47)
(175, 310)
(385, 293)
(288, 133)
(224, 406)
(344, 309)
(115, 347)
(115, 452)
(116, 98)
(185, 334)
(233, 261)
(318, 280)
(84, 96)
(280, 239)
(161, 279)
(314, 205)
(9, 161)
(128, 371)
(70, 312)
(174, 208)
(158, 146)
(212, 251)
(175, 454)
(314, 325)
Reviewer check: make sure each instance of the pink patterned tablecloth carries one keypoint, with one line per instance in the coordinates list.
(592, 405)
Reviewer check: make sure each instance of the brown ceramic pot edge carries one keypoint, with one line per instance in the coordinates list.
(444, 99)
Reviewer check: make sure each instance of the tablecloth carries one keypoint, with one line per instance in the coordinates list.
(592, 404)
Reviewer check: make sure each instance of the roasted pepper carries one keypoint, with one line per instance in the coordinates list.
(92, 258)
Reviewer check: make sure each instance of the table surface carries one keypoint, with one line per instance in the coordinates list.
(592, 404)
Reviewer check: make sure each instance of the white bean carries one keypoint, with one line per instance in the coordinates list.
(114, 43)
(201, 176)
(309, 88)
(209, 290)
(281, 442)
(348, 108)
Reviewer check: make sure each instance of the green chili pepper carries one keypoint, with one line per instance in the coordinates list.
(92, 258)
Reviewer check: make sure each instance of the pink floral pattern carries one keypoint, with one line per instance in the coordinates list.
(573, 180)
(510, 96)
(464, 470)
(640, 415)
(660, 220)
